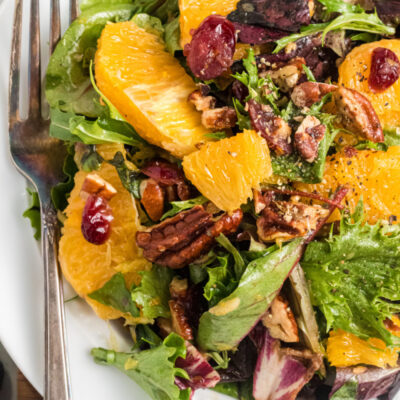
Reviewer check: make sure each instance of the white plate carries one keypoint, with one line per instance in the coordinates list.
(21, 276)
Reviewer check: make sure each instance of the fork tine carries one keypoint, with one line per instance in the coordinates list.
(55, 28)
(15, 64)
(73, 11)
(34, 62)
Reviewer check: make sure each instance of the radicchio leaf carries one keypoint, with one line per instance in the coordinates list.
(202, 374)
(280, 373)
(287, 15)
(372, 383)
(253, 34)
(388, 10)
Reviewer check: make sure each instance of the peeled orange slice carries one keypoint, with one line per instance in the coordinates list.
(87, 267)
(226, 171)
(193, 12)
(345, 350)
(149, 87)
(374, 175)
(355, 71)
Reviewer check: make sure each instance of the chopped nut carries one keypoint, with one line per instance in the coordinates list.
(308, 136)
(280, 321)
(282, 220)
(180, 240)
(152, 199)
(308, 93)
(358, 114)
(287, 76)
(219, 118)
(95, 184)
(201, 102)
(259, 201)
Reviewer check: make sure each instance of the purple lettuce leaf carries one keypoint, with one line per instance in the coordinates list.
(253, 34)
(372, 383)
(202, 374)
(281, 373)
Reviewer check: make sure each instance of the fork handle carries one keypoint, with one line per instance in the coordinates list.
(57, 385)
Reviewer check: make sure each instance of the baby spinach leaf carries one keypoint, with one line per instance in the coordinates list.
(152, 294)
(33, 212)
(115, 294)
(131, 179)
(224, 325)
(355, 277)
(154, 369)
(68, 86)
(178, 206)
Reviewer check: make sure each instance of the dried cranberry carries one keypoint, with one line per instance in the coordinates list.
(96, 220)
(210, 53)
(240, 91)
(163, 172)
(385, 69)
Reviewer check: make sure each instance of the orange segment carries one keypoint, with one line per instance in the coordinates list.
(87, 267)
(193, 12)
(226, 171)
(354, 73)
(345, 350)
(374, 175)
(149, 87)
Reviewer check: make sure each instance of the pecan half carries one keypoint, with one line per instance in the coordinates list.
(281, 322)
(219, 118)
(180, 324)
(358, 114)
(308, 136)
(283, 220)
(273, 129)
(308, 93)
(152, 199)
(95, 184)
(201, 102)
(183, 238)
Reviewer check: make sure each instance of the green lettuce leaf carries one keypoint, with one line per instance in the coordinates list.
(114, 293)
(224, 325)
(239, 265)
(152, 294)
(172, 35)
(178, 206)
(33, 212)
(355, 277)
(149, 24)
(154, 369)
(144, 336)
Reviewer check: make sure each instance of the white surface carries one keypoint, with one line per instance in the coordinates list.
(21, 275)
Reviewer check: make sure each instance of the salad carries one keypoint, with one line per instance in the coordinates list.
(232, 191)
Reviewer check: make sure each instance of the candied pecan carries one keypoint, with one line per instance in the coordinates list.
(283, 220)
(259, 201)
(180, 324)
(219, 118)
(178, 288)
(201, 102)
(308, 93)
(391, 326)
(273, 129)
(96, 185)
(358, 114)
(308, 136)
(280, 321)
(180, 240)
(152, 199)
(288, 75)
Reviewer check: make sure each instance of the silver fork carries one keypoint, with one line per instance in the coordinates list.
(40, 158)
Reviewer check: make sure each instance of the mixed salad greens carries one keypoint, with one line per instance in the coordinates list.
(279, 298)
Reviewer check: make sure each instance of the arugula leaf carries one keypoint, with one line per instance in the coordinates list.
(224, 325)
(365, 37)
(367, 144)
(355, 277)
(115, 294)
(61, 191)
(339, 6)
(178, 206)
(309, 74)
(242, 115)
(152, 294)
(33, 213)
(221, 282)
(221, 358)
(361, 22)
(216, 135)
(131, 179)
(239, 262)
(68, 86)
(172, 36)
(154, 369)
(347, 392)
